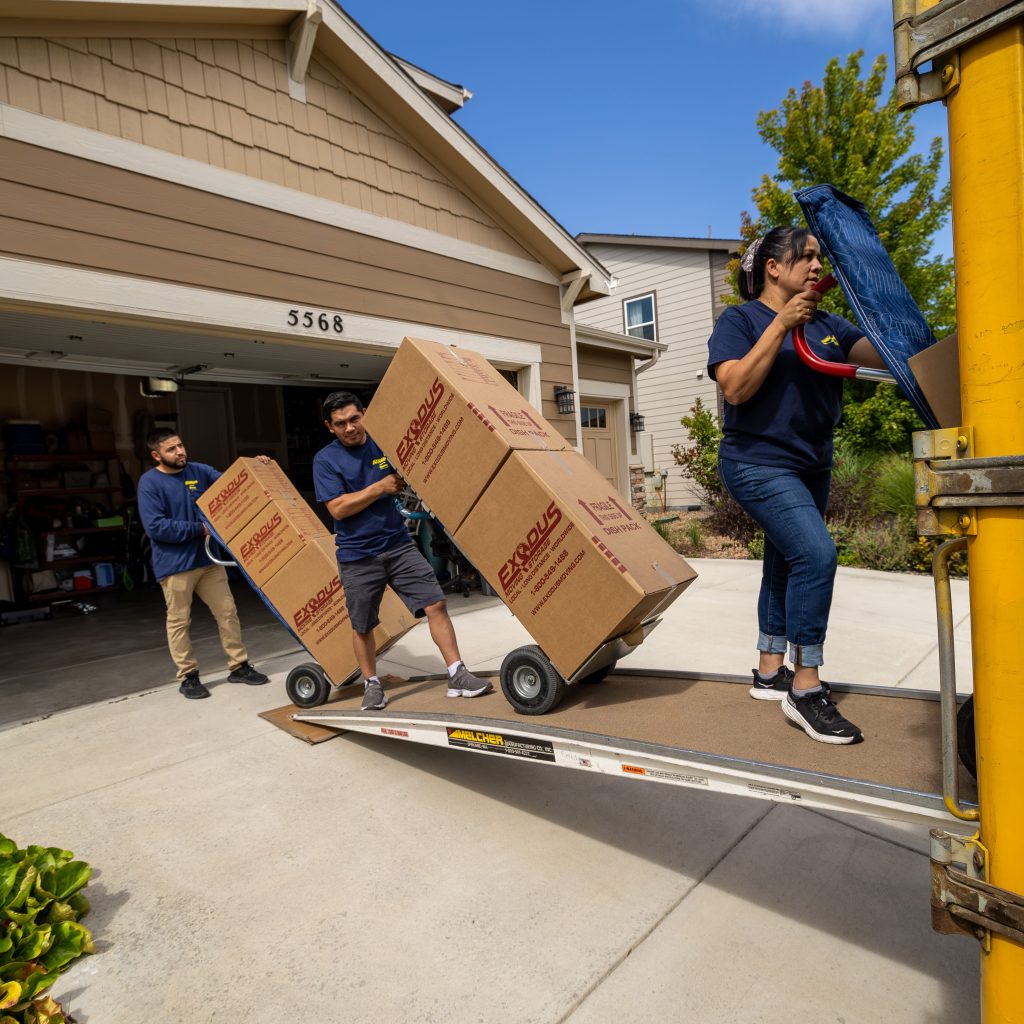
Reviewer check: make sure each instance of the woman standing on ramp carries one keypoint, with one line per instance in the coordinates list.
(775, 459)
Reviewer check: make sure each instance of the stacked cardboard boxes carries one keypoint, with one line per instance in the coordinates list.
(288, 553)
(570, 557)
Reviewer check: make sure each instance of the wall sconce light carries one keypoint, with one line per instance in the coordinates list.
(636, 422)
(565, 398)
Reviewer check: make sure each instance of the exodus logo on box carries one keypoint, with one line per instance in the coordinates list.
(228, 492)
(253, 544)
(527, 549)
(407, 446)
(316, 604)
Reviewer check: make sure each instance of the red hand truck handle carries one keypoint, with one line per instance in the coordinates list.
(826, 366)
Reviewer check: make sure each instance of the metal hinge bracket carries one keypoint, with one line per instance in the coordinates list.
(925, 31)
(950, 485)
(962, 901)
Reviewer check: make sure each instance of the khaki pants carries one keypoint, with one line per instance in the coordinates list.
(211, 586)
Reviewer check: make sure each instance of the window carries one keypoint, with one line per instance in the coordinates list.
(639, 317)
(593, 417)
(512, 376)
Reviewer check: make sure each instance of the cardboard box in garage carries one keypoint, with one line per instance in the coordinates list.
(573, 560)
(446, 419)
(244, 489)
(308, 595)
(273, 537)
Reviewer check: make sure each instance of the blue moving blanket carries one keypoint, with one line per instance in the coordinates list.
(884, 308)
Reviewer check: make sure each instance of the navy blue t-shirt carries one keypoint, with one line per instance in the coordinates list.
(790, 420)
(339, 470)
(167, 509)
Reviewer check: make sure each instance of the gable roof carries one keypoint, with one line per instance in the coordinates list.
(381, 77)
(663, 241)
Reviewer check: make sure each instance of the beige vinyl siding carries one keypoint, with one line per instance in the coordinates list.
(681, 281)
(66, 210)
(226, 103)
(600, 364)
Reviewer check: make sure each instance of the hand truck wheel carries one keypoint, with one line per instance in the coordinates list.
(307, 685)
(532, 685)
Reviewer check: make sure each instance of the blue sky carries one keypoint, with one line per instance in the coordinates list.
(634, 118)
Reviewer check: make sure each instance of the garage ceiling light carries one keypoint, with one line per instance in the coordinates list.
(157, 387)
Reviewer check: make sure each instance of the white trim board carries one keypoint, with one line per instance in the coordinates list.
(72, 140)
(604, 389)
(47, 287)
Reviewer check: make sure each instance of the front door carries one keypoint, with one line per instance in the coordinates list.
(600, 445)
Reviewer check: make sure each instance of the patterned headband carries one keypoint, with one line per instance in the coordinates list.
(747, 263)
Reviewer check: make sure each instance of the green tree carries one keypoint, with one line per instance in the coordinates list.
(847, 133)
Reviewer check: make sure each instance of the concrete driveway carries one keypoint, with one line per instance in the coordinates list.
(245, 876)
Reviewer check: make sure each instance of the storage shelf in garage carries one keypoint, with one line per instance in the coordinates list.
(57, 563)
(64, 492)
(70, 595)
(64, 457)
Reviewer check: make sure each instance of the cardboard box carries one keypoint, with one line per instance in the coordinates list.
(571, 558)
(937, 371)
(447, 420)
(273, 537)
(308, 595)
(245, 488)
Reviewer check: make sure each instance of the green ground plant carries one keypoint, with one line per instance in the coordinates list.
(41, 902)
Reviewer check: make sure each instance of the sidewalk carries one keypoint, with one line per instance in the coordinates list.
(243, 875)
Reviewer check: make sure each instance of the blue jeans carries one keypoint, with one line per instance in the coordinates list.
(799, 555)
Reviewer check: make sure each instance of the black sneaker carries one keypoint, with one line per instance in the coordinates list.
(775, 688)
(817, 714)
(245, 673)
(192, 688)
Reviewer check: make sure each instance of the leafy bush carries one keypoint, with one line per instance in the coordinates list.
(700, 464)
(880, 546)
(850, 496)
(882, 421)
(40, 905)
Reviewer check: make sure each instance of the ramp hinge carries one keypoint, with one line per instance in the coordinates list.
(932, 32)
(962, 901)
(950, 486)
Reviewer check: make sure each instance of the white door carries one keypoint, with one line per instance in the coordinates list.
(206, 423)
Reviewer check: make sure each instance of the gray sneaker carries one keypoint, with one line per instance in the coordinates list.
(465, 684)
(374, 697)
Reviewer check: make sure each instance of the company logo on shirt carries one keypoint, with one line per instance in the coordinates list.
(830, 340)
(191, 484)
(382, 464)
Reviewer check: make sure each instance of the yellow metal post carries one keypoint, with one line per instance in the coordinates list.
(986, 152)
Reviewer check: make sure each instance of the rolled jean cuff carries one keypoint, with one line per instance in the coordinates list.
(767, 644)
(807, 655)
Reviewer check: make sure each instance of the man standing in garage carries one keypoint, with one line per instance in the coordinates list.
(356, 483)
(167, 507)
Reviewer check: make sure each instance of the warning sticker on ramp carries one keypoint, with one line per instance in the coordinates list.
(501, 743)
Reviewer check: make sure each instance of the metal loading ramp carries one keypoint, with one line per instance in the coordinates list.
(688, 730)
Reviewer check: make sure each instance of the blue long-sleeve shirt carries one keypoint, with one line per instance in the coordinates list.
(167, 509)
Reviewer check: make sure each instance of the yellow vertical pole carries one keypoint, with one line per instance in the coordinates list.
(986, 152)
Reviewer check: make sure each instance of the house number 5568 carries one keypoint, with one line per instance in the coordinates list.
(327, 322)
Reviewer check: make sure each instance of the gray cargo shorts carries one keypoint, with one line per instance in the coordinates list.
(404, 568)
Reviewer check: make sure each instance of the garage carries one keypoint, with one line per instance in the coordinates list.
(213, 218)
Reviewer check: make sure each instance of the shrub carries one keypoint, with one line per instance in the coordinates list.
(40, 904)
(695, 536)
(849, 498)
(881, 546)
(700, 464)
(892, 488)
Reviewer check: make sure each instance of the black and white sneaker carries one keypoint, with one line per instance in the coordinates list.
(374, 697)
(245, 673)
(192, 688)
(816, 713)
(775, 688)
